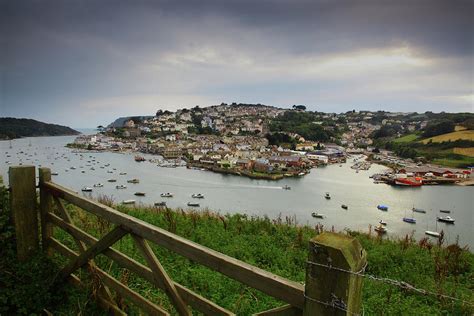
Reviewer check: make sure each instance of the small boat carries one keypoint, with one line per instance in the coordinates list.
(54, 173)
(121, 186)
(128, 202)
(133, 181)
(122, 173)
(193, 204)
(382, 222)
(431, 233)
(448, 219)
(317, 215)
(166, 194)
(409, 220)
(98, 185)
(301, 174)
(112, 180)
(380, 229)
(327, 196)
(197, 196)
(139, 159)
(140, 193)
(73, 168)
(160, 204)
(418, 210)
(344, 206)
(110, 171)
(445, 211)
(285, 187)
(86, 189)
(382, 207)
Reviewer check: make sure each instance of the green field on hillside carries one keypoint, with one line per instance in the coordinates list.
(406, 139)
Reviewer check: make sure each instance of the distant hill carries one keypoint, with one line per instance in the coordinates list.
(15, 128)
(120, 122)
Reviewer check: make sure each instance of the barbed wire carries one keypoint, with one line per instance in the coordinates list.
(401, 284)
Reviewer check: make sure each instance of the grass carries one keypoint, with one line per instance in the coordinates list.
(459, 162)
(464, 151)
(453, 136)
(406, 139)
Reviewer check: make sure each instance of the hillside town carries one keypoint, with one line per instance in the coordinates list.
(243, 139)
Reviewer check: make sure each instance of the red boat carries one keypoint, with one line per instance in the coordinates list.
(410, 182)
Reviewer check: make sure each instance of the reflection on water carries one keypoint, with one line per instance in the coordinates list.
(227, 193)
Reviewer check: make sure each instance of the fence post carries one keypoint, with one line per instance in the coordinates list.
(45, 207)
(329, 291)
(23, 208)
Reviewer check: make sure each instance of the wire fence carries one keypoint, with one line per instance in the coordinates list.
(339, 304)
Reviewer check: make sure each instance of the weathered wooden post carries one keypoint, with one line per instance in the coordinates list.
(46, 203)
(24, 211)
(329, 290)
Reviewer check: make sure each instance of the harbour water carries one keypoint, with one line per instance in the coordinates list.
(229, 194)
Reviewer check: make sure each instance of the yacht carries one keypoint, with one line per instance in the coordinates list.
(98, 185)
(86, 189)
(317, 215)
(194, 204)
(327, 196)
(197, 196)
(166, 194)
(128, 202)
(432, 233)
(447, 219)
(121, 186)
(133, 181)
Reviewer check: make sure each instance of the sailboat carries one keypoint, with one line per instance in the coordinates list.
(433, 233)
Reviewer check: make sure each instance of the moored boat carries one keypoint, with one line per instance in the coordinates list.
(133, 181)
(194, 204)
(286, 187)
(409, 182)
(140, 193)
(382, 207)
(382, 222)
(380, 229)
(418, 210)
(98, 185)
(344, 206)
(409, 220)
(112, 180)
(197, 196)
(160, 204)
(166, 194)
(447, 219)
(445, 211)
(317, 215)
(121, 186)
(86, 189)
(128, 202)
(327, 196)
(432, 233)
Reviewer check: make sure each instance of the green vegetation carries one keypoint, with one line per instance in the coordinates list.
(406, 139)
(11, 128)
(304, 124)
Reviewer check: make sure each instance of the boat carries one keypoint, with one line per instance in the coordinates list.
(431, 233)
(286, 187)
(98, 185)
(344, 206)
(121, 186)
(381, 229)
(160, 204)
(86, 189)
(327, 196)
(139, 158)
(166, 194)
(445, 211)
(54, 173)
(73, 168)
(409, 220)
(128, 202)
(112, 180)
(448, 219)
(194, 204)
(382, 222)
(418, 210)
(301, 174)
(133, 181)
(382, 207)
(140, 193)
(317, 215)
(122, 173)
(410, 182)
(197, 196)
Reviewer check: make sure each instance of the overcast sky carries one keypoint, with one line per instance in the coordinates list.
(84, 63)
